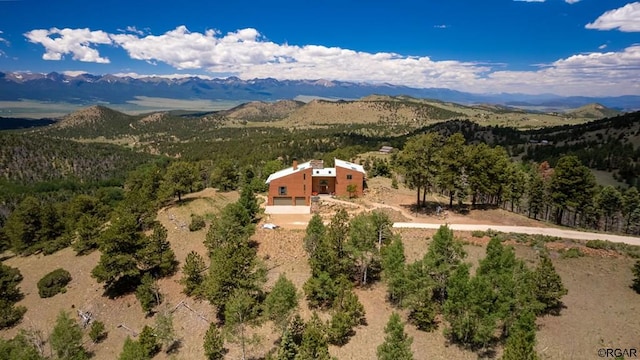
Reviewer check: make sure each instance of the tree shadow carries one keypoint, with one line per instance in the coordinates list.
(123, 286)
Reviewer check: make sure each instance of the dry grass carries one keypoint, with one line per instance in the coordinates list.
(601, 310)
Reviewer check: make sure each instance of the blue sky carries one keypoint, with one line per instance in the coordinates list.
(566, 47)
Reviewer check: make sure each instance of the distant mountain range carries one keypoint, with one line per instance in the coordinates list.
(111, 89)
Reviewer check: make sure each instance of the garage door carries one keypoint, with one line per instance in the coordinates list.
(301, 201)
(282, 200)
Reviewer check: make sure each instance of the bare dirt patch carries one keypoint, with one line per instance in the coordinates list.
(601, 310)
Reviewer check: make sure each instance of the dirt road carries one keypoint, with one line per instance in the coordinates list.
(562, 233)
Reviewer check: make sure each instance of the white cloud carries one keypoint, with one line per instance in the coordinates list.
(626, 19)
(77, 42)
(442, 26)
(529, 0)
(247, 54)
(3, 40)
(602, 47)
(571, 1)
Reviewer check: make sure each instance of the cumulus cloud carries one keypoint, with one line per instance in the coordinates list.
(626, 19)
(246, 54)
(77, 42)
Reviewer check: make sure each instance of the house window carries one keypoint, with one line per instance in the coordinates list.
(304, 176)
(349, 176)
(282, 190)
(304, 189)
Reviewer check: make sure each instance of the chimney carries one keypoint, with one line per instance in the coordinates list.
(295, 164)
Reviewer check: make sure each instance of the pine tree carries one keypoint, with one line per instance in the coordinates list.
(249, 201)
(394, 270)
(148, 341)
(288, 349)
(522, 339)
(213, 343)
(314, 233)
(9, 279)
(281, 302)
(397, 344)
(66, 339)
(314, 341)
(164, 331)
(133, 350)
(148, 293)
(193, 278)
(444, 255)
(636, 280)
(156, 255)
(19, 348)
(240, 312)
(550, 289)
(97, 332)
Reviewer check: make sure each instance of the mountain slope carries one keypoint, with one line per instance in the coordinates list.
(88, 89)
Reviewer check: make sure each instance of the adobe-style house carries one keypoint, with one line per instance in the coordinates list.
(295, 185)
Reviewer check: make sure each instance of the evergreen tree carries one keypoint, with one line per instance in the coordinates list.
(572, 186)
(148, 341)
(550, 289)
(119, 244)
(630, 203)
(164, 331)
(19, 348)
(288, 349)
(179, 178)
(193, 278)
(314, 341)
(9, 295)
(213, 343)
(419, 163)
(156, 255)
(362, 246)
(609, 201)
(281, 302)
(451, 177)
(233, 266)
(249, 201)
(419, 298)
(31, 225)
(66, 339)
(232, 225)
(240, 312)
(535, 193)
(636, 280)
(394, 270)
(225, 176)
(148, 293)
(397, 344)
(445, 254)
(522, 339)
(314, 234)
(97, 332)
(133, 350)
(467, 309)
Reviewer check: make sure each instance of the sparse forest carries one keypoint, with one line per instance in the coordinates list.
(61, 187)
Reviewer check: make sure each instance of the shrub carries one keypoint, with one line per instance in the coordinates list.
(197, 222)
(571, 253)
(599, 244)
(477, 233)
(53, 283)
(97, 332)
